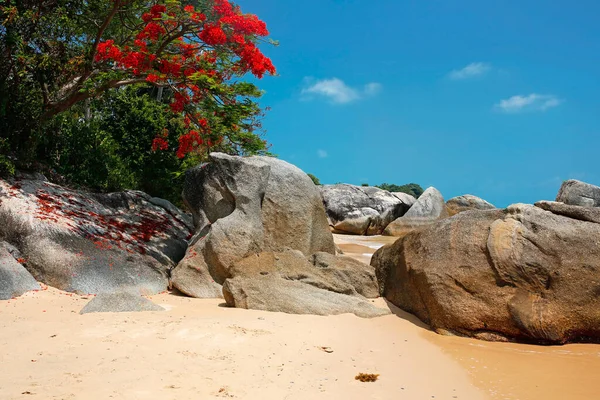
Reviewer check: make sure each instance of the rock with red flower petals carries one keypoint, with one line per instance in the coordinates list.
(14, 278)
(93, 243)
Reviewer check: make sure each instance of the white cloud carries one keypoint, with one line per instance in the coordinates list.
(337, 91)
(373, 88)
(531, 102)
(322, 153)
(470, 71)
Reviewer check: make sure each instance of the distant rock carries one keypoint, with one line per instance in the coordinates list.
(15, 280)
(521, 274)
(577, 193)
(244, 206)
(119, 302)
(89, 242)
(589, 214)
(429, 208)
(362, 210)
(467, 202)
(288, 282)
(406, 198)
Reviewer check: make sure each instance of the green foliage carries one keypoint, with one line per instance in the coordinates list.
(7, 167)
(102, 140)
(314, 179)
(364, 184)
(113, 149)
(413, 189)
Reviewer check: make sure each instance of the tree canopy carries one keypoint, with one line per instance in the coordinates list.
(73, 56)
(413, 189)
(57, 53)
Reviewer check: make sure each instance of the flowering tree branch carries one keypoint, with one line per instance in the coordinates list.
(197, 53)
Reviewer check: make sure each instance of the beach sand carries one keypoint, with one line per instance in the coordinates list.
(198, 349)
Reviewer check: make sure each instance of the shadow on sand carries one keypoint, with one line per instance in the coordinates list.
(407, 316)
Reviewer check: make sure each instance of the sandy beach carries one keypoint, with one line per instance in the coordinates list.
(198, 349)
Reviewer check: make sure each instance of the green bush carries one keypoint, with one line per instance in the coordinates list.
(314, 179)
(413, 189)
(112, 151)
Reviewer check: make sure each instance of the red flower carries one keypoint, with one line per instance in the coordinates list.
(189, 8)
(246, 24)
(152, 31)
(213, 34)
(159, 143)
(178, 105)
(223, 7)
(158, 9)
(147, 17)
(188, 142)
(255, 61)
(198, 17)
(152, 78)
(141, 44)
(108, 51)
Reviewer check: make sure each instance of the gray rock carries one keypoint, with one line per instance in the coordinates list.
(467, 202)
(12, 250)
(288, 282)
(589, 214)
(119, 302)
(15, 280)
(174, 211)
(362, 210)
(405, 198)
(89, 242)
(577, 193)
(429, 208)
(521, 274)
(243, 206)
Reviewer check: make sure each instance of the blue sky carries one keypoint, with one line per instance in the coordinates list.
(500, 99)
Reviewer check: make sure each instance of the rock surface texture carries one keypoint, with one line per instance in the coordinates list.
(244, 206)
(263, 242)
(92, 243)
(15, 280)
(577, 193)
(406, 198)
(362, 210)
(527, 273)
(288, 282)
(429, 208)
(467, 202)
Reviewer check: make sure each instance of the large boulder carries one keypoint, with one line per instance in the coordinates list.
(362, 210)
(577, 193)
(522, 274)
(244, 206)
(93, 243)
(15, 280)
(288, 282)
(467, 202)
(429, 208)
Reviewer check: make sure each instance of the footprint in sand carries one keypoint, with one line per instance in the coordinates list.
(246, 331)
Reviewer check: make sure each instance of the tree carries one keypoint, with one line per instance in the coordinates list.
(58, 53)
(113, 151)
(413, 189)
